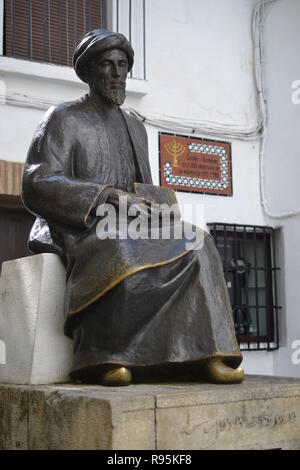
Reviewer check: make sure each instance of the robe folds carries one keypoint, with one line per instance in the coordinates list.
(142, 303)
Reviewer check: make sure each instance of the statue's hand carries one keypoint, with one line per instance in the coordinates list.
(114, 195)
(142, 204)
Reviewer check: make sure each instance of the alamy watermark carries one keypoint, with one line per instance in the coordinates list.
(295, 358)
(2, 92)
(296, 92)
(2, 352)
(151, 221)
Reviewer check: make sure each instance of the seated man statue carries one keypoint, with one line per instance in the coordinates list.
(136, 309)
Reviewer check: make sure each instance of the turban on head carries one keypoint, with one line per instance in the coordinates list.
(95, 42)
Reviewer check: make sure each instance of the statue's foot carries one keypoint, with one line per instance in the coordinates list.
(218, 372)
(116, 376)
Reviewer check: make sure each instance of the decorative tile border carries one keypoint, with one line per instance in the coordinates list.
(177, 175)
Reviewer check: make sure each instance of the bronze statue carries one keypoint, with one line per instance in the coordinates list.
(137, 309)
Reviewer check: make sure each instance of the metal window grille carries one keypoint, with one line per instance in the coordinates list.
(49, 30)
(249, 262)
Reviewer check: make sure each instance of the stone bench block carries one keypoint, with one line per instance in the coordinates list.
(31, 321)
(260, 413)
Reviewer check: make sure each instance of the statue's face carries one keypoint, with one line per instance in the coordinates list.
(108, 74)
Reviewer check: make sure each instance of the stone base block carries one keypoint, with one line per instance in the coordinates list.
(260, 413)
(31, 321)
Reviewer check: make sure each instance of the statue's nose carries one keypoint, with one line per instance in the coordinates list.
(116, 70)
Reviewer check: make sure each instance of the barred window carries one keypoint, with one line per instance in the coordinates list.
(49, 30)
(249, 263)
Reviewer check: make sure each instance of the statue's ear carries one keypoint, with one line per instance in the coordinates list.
(86, 72)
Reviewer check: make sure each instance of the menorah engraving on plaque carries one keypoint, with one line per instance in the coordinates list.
(175, 149)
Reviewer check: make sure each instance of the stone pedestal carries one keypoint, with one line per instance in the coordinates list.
(260, 413)
(31, 321)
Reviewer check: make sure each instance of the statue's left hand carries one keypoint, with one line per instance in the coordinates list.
(143, 205)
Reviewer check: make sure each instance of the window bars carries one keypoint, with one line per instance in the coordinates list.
(249, 262)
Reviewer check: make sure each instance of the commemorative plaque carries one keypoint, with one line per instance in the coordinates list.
(195, 165)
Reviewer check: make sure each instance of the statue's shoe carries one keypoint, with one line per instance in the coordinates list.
(116, 377)
(218, 372)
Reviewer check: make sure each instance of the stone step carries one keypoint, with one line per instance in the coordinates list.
(261, 413)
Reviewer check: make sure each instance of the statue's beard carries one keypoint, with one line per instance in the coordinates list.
(114, 95)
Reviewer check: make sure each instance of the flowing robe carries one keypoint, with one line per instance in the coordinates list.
(141, 303)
